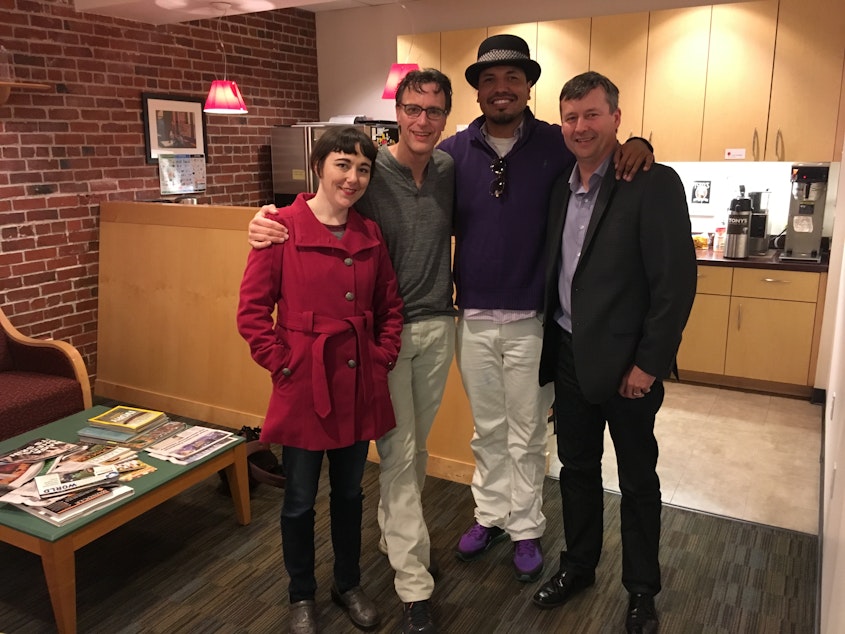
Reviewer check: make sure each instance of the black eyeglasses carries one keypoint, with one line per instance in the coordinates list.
(413, 111)
(497, 187)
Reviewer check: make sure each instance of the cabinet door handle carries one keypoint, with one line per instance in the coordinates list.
(779, 146)
(649, 136)
(772, 280)
(755, 145)
(739, 317)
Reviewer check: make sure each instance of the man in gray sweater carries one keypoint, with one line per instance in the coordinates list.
(411, 197)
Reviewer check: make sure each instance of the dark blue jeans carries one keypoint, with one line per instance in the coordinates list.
(302, 468)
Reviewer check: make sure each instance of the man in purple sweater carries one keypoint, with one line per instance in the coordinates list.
(506, 162)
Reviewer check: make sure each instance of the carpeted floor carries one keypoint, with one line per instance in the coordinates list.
(187, 567)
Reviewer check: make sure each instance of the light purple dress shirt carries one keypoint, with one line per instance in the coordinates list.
(582, 201)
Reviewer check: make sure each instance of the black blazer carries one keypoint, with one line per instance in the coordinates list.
(634, 284)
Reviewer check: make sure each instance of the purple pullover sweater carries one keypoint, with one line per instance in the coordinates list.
(499, 241)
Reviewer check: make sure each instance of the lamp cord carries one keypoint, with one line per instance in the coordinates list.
(413, 33)
(224, 6)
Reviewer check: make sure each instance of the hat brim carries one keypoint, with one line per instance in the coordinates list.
(529, 66)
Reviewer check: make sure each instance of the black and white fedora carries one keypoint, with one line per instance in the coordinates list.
(503, 50)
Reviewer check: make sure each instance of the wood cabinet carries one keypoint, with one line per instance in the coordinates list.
(563, 51)
(754, 328)
(459, 49)
(770, 332)
(706, 334)
(806, 81)
(422, 49)
(618, 47)
(736, 104)
(765, 76)
(676, 75)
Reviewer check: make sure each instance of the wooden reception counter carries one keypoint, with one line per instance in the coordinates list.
(167, 339)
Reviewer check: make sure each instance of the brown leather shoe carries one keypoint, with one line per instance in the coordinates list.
(362, 611)
(303, 617)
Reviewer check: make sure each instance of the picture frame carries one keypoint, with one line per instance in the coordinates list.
(173, 124)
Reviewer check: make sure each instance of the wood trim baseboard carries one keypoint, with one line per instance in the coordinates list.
(438, 467)
(175, 405)
(753, 385)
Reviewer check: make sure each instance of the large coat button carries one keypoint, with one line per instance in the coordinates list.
(351, 363)
(349, 296)
(348, 261)
(286, 371)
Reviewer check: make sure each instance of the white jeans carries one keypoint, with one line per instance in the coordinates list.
(416, 386)
(499, 369)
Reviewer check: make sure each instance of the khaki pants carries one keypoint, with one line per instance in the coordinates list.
(416, 385)
(499, 366)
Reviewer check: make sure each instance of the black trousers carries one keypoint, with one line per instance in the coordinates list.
(580, 444)
(302, 468)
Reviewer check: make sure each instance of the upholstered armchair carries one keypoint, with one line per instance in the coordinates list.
(40, 381)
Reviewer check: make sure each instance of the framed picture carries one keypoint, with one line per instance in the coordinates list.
(173, 125)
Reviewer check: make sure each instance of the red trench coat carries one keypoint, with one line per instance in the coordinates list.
(337, 332)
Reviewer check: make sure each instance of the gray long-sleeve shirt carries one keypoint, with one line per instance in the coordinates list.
(417, 227)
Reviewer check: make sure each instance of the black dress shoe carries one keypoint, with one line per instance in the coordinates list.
(560, 588)
(642, 617)
(416, 618)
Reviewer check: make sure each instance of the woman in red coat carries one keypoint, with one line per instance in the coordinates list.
(335, 338)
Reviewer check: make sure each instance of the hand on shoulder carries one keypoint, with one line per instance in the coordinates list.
(265, 228)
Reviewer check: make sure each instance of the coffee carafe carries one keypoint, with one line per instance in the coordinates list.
(806, 213)
(758, 230)
(739, 223)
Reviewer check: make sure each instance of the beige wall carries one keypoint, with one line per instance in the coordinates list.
(832, 608)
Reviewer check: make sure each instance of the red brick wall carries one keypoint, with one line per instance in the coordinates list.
(64, 150)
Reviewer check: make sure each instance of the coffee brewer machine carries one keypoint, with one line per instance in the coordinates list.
(758, 231)
(806, 213)
(739, 222)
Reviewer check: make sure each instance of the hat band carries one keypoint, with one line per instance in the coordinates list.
(499, 55)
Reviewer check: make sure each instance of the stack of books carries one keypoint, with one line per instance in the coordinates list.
(130, 427)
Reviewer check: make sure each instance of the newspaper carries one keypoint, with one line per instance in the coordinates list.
(191, 444)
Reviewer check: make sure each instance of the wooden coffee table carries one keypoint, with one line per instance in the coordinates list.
(57, 545)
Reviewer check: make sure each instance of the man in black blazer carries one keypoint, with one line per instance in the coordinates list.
(620, 282)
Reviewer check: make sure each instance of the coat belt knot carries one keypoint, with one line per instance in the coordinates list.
(325, 327)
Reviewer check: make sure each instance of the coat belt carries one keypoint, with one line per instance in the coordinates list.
(325, 327)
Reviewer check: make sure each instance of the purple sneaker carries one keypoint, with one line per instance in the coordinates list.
(528, 559)
(478, 540)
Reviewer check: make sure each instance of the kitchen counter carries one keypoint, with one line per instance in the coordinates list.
(769, 261)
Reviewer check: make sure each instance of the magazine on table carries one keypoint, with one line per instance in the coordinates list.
(132, 469)
(151, 436)
(96, 435)
(223, 442)
(190, 442)
(136, 441)
(78, 504)
(100, 454)
(38, 450)
(60, 483)
(127, 419)
(15, 474)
